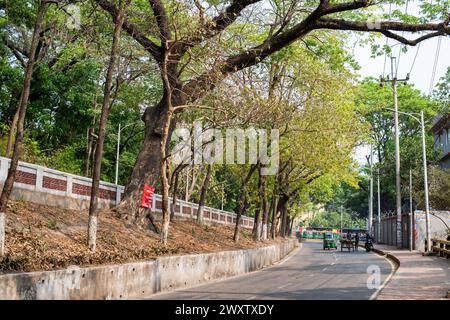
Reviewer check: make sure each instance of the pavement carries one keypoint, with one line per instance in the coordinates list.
(418, 277)
(309, 273)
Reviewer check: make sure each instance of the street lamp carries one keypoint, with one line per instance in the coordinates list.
(425, 173)
(118, 149)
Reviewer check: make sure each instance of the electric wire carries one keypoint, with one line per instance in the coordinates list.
(436, 59)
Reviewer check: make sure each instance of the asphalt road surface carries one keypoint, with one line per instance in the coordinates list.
(310, 273)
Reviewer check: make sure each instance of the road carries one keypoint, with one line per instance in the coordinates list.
(310, 273)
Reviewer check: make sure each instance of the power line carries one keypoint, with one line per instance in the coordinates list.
(436, 58)
(415, 57)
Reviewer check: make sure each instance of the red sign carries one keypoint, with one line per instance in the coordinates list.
(147, 196)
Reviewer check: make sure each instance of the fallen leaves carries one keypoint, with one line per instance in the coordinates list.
(46, 238)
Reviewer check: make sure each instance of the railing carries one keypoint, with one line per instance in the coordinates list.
(35, 178)
(441, 247)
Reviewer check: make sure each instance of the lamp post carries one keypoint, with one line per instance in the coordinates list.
(394, 81)
(116, 180)
(425, 174)
(379, 208)
(410, 211)
(369, 226)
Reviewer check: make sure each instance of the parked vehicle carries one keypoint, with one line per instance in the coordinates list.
(329, 241)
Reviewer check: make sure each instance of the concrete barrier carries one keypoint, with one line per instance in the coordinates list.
(139, 279)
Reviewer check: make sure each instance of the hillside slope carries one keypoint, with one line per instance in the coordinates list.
(45, 238)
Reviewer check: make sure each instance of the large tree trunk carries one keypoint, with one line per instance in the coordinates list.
(205, 185)
(93, 213)
(146, 170)
(22, 107)
(282, 214)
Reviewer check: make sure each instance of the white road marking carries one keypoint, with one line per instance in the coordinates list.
(324, 268)
(250, 298)
(377, 292)
(281, 287)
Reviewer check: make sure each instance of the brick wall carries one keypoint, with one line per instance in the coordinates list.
(54, 184)
(34, 178)
(25, 177)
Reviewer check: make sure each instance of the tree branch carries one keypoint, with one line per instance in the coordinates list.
(133, 31)
(161, 19)
(386, 28)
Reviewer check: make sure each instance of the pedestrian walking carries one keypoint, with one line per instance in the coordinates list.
(356, 241)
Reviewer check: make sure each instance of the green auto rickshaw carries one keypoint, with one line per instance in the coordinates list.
(329, 241)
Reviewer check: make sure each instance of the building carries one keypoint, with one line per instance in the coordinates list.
(441, 131)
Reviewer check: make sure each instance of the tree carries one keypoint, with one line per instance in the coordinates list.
(22, 108)
(166, 38)
(93, 214)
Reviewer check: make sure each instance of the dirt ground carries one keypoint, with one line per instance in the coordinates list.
(45, 238)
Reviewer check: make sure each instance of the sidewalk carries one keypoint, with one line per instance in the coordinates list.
(418, 277)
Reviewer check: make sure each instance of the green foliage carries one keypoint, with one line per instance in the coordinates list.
(332, 219)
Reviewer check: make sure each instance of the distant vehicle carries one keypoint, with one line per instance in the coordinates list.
(368, 245)
(329, 241)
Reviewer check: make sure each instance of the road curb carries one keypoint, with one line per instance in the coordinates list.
(394, 261)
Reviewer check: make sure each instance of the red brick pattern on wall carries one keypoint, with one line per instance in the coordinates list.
(84, 190)
(158, 204)
(229, 219)
(177, 208)
(215, 216)
(25, 177)
(54, 184)
(186, 210)
(206, 214)
(222, 218)
(107, 194)
(81, 189)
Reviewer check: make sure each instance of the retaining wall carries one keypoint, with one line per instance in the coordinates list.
(139, 279)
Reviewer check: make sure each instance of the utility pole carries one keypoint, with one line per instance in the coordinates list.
(410, 210)
(379, 208)
(369, 226)
(425, 174)
(398, 203)
(341, 219)
(425, 183)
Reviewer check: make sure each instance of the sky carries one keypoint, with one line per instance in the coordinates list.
(421, 74)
